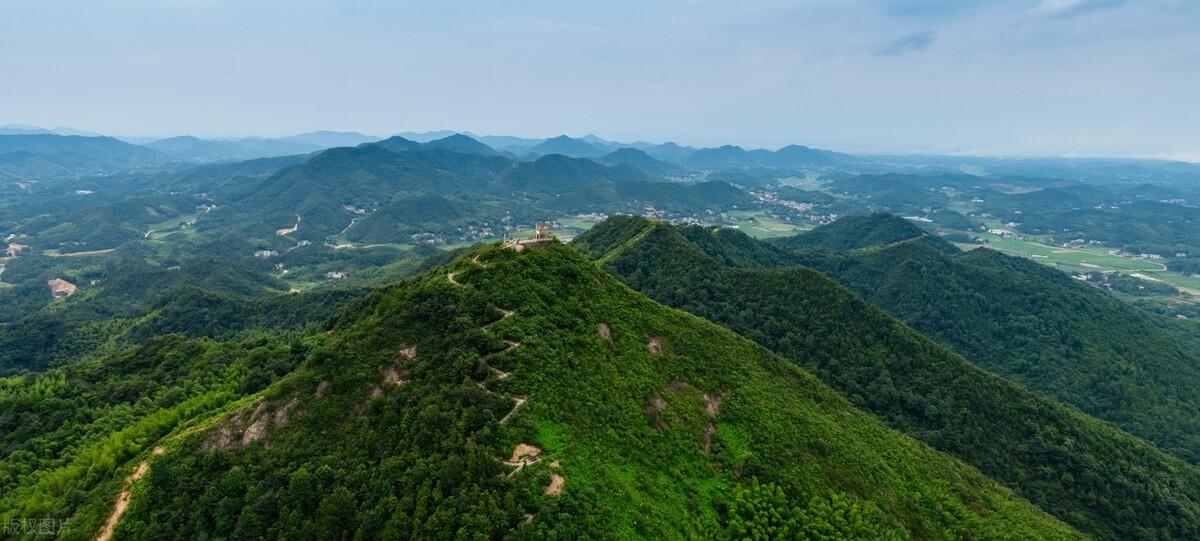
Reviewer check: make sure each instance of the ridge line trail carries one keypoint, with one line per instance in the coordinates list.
(507, 314)
(520, 402)
(77, 254)
(899, 242)
(450, 278)
(500, 374)
(347, 228)
(520, 464)
(110, 524)
(285, 231)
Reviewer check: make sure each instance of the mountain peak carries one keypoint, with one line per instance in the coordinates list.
(397, 143)
(462, 144)
(576, 382)
(641, 160)
(567, 146)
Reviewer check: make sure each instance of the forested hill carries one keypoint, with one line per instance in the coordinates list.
(1036, 325)
(49, 156)
(874, 230)
(337, 190)
(1103, 481)
(506, 395)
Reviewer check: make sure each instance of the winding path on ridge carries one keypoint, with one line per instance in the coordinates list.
(520, 401)
(110, 524)
(123, 497)
(500, 374)
(507, 313)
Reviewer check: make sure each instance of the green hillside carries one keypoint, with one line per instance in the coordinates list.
(1087, 473)
(93, 152)
(406, 216)
(377, 185)
(892, 192)
(854, 232)
(643, 161)
(462, 144)
(566, 146)
(1038, 326)
(320, 189)
(507, 395)
(555, 173)
(205, 297)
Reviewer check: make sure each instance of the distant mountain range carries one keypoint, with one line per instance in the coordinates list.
(29, 152)
(48, 155)
(736, 164)
(865, 379)
(23, 129)
(193, 149)
(372, 189)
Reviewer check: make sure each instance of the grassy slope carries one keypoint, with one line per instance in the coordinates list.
(421, 460)
(1085, 472)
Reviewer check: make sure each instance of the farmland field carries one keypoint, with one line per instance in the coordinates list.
(1090, 259)
(759, 224)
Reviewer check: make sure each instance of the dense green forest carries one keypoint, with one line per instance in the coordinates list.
(230, 366)
(1036, 325)
(862, 231)
(213, 298)
(66, 435)
(410, 415)
(1151, 227)
(394, 186)
(1105, 482)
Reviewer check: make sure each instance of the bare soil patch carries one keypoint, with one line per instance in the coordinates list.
(393, 376)
(556, 485)
(246, 426)
(712, 404)
(110, 524)
(709, 430)
(526, 452)
(655, 346)
(604, 332)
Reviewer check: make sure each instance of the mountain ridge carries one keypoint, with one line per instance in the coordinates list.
(909, 381)
(447, 389)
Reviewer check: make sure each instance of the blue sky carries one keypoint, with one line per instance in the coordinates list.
(1015, 77)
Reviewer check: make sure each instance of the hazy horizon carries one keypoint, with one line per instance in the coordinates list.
(1095, 78)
